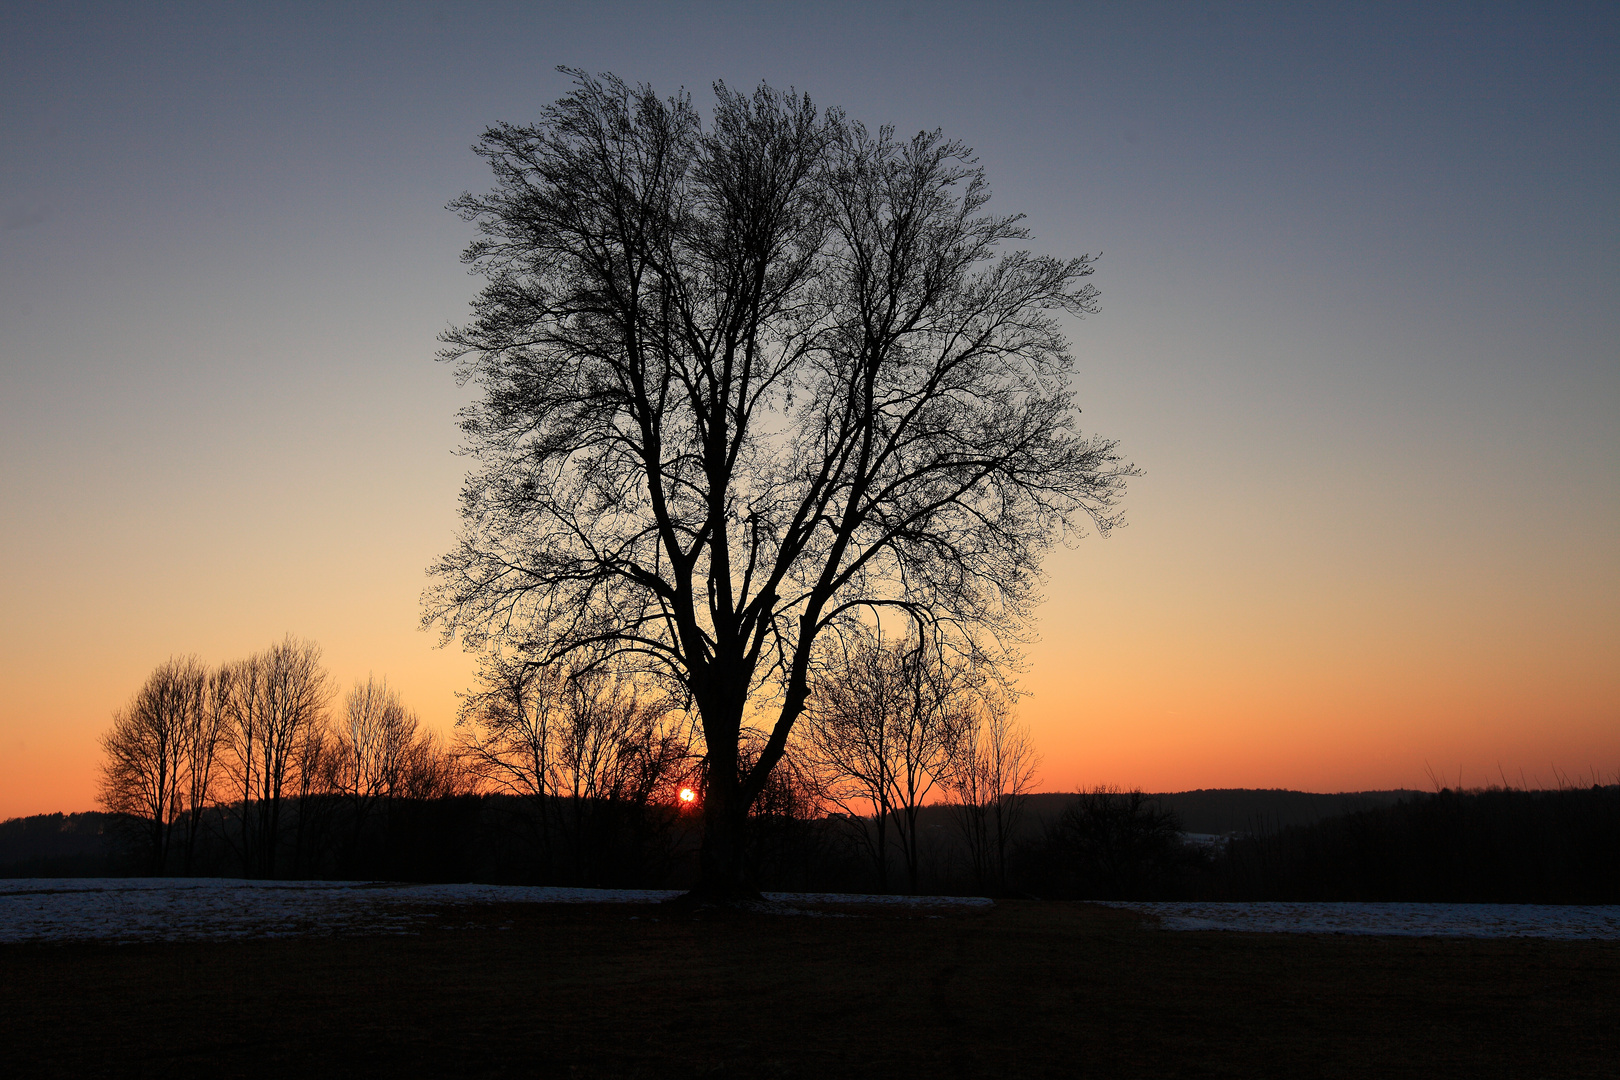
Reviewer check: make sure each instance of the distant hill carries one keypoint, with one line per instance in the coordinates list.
(57, 845)
(84, 845)
(1249, 810)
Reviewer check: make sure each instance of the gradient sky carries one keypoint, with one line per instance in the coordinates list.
(1359, 274)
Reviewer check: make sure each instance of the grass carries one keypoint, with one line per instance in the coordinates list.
(1024, 989)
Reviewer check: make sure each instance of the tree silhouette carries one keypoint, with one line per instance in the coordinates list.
(587, 751)
(371, 744)
(275, 707)
(741, 384)
(881, 728)
(152, 754)
(990, 773)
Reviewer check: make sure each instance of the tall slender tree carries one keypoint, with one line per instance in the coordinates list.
(239, 687)
(149, 752)
(989, 774)
(741, 383)
(880, 730)
(372, 740)
(202, 737)
(275, 704)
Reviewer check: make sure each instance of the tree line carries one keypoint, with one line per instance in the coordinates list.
(578, 773)
(909, 774)
(252, 750)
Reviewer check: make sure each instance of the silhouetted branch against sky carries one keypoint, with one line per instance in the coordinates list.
(740, 381)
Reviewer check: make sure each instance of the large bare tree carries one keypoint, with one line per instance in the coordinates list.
(744, 381)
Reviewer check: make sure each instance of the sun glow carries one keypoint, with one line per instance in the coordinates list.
(688, 796)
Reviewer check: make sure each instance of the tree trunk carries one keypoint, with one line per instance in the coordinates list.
(247, 793)
(722, 869)
(722, 860)
(881, 824)
(159, 851)
(908, 847)
(193, 822)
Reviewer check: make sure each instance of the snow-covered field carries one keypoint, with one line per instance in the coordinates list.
(1568, 922)
(191, 909)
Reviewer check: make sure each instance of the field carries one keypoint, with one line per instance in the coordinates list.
(1017, 989)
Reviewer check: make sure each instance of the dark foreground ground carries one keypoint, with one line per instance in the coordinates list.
(1024, 989)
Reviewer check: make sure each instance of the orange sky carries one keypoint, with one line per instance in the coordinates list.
(1242, 652)
(1358, 328)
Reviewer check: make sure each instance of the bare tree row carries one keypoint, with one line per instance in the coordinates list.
(254, 750)
(893, 724)
(252, 738)
(590, 752)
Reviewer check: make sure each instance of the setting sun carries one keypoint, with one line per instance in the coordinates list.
(688, 796)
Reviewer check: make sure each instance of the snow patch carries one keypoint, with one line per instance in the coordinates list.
(1564, 922)
(197, 909)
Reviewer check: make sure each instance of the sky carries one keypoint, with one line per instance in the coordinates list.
(1359, 330)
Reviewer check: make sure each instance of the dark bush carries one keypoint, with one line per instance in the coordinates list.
(1108, 844)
